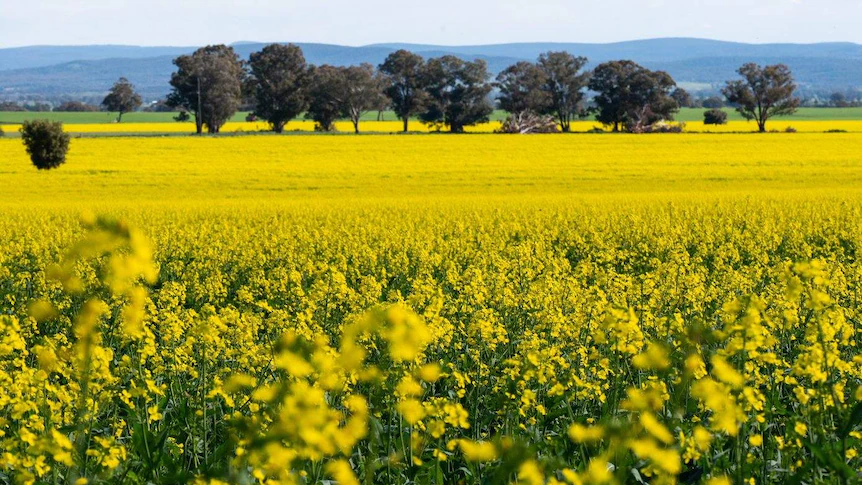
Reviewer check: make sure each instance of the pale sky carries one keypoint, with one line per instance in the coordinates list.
(452, 22)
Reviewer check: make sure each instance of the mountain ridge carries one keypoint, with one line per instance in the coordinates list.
(80, 72)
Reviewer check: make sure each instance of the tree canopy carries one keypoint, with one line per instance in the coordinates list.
(279, 82)
(764, 92)
(363, 92)
(458, 92)
(208, 84)
(521, 87)
(122, 99)
(632, 97)
(564, 85)
(403, 73)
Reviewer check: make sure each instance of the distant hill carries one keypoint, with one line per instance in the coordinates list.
(88, 71)
(41, 56)
(654, 50)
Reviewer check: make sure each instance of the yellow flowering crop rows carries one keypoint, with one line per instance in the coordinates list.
(434, 310)
(801, 126)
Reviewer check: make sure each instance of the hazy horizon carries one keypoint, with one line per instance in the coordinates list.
(446, 22)
(245, 41)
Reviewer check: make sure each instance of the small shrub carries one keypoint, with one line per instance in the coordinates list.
(790, 129)
(714, 117)
(46, 143)
(835, 131)
(182, 117)
(251, 118)
(2, 133)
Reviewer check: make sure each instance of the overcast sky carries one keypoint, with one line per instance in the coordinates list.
(452, 22)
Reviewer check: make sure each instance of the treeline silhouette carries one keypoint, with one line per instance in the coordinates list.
(278, 85)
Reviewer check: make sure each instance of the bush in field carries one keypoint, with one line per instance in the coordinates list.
(714, 117)
(2, 133)
(46, 143)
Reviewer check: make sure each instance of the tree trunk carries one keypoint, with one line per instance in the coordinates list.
(356, 126)
(278, 127)
(565, 126)
(406, 121)
(120, 117)
(761, 125)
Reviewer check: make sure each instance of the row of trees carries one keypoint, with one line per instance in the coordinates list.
(445, 91)
(213, 83)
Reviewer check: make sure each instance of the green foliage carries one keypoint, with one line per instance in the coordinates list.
(632, 97)
(763, 93)
(280, 80)
(328, 86)
(457, 93)
(403, 73)
(122, 99)
(563, 84)
(714, 117)
(46, 143)
(364, 93)
(208, 84)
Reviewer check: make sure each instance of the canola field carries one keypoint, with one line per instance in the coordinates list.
(305, 127)
(474, 309)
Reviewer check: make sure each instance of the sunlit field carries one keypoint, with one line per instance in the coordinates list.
(801, 126)
(434, 309)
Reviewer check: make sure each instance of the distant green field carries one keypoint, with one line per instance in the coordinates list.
(804, 114)
(687, 114)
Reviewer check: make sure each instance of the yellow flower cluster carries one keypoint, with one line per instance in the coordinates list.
(303, 126)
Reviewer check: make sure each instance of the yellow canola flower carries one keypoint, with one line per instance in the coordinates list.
(406, 332)
(655, 428)
(341, 472)
(475, 451)
(154, 414)
(585, 434)
(655, 357)
(412, 410)
(667, 460)
(725, 373)
(719, 481)
(529, 473)
(430, 372)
